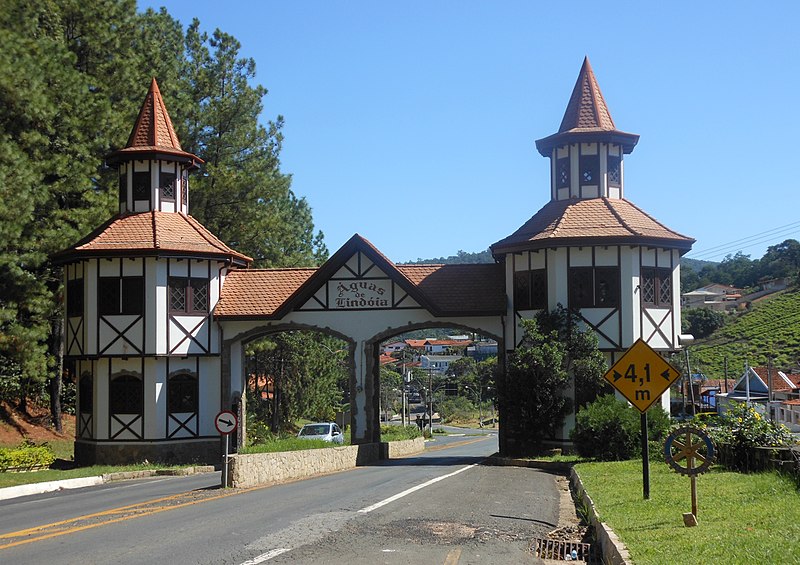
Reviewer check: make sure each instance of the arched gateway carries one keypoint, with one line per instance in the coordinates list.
(158, 310)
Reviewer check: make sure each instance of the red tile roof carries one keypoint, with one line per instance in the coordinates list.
(477, 289)
(151, 233)
(594, 221)
(153, 131)
(258, 292)
(587, 117)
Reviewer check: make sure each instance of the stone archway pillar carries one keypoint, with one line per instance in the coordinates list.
(364, 391)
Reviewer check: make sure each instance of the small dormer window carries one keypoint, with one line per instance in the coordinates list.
(141, 186)
(614, 171)
(589, 169)
(562, 172)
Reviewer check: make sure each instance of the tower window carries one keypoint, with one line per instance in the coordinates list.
(120, 295)
(141, 186)
(589, 169)
(75, 297)
(125, 394)
(614, 171)
(182, 394)
(594, 287)
(123, 187)
(167, 183)
(656, 287)
(530, 290)
(562, 172)
(188, 296)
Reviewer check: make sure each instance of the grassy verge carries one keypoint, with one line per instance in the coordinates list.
(16, 479)
(287, 444)
(742, 518)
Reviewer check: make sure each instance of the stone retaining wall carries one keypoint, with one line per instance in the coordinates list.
(249, 470)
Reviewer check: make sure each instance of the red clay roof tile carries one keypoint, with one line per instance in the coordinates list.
(258, 292)
(595, 221)
(153, 131)
(151, 232)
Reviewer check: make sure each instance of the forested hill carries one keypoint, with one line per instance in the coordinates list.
(770, 329)
(460, 258)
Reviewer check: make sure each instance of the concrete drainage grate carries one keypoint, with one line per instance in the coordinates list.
(546, 548)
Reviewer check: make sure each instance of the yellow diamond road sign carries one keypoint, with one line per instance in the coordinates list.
(641, 375)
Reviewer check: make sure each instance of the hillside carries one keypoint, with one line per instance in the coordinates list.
(770, 329)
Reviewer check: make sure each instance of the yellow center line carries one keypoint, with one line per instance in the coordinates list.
(453, 556)
(136, 511)
(140, 510)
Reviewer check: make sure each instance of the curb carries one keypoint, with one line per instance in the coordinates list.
(65, 484)
(614, 551)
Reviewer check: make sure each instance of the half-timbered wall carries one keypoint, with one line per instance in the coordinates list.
(590, 171)
(618, 326)
(146, 185)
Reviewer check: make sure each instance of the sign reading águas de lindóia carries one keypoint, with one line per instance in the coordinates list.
(362, 294)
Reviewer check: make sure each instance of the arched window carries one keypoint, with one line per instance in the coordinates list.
(126, 394)
(182, 394)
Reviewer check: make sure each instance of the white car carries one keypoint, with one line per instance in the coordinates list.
(326, 431)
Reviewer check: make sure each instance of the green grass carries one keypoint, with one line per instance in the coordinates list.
(288, 444)
(743, 519)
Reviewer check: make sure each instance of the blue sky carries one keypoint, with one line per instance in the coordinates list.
(413, 123)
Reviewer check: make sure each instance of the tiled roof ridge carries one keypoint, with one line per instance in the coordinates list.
(204, 233)
(156, 242)
(651, 218)
(620, 219)
(274, 269)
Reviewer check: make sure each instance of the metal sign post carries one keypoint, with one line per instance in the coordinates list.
(641, 375)
(225, 423)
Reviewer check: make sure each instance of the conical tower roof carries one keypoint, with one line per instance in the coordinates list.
(153, 133)
(587, 118)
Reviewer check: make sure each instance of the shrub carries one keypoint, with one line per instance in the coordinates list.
(27, 455)
(610, 430)
(396, 433)
(742, 429)
(456, 409)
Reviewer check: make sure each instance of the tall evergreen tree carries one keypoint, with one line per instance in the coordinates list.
(242, 194)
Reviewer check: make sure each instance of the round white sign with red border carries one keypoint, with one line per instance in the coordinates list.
(225, 422)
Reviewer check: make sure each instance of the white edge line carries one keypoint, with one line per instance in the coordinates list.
(399, 495)
(267, 556)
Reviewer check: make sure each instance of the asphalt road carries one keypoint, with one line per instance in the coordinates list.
(439, 507)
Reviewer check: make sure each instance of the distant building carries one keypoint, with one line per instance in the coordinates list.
(713, 296)
(773, 393)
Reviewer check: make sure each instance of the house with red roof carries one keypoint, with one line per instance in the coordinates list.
(774, 394)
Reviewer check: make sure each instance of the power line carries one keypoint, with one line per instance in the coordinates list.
(749, 241)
